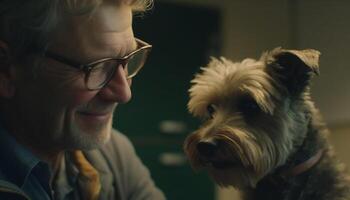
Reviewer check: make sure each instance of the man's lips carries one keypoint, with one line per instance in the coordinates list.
(94, 115)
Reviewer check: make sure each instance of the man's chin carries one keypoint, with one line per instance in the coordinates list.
(91, 136)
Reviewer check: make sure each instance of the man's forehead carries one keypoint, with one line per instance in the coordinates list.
(112, 18)
(106, 18)
(136, 5)
(109, 28)
(87, 7)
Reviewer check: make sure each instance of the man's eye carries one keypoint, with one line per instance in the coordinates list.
(211, 110)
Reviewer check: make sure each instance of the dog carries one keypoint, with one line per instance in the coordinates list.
(261, 132)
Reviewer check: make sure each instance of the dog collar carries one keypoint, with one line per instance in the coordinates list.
(303, 167)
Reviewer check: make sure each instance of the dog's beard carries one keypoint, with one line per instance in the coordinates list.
(259, 149)
(249, 158)
(238, 177)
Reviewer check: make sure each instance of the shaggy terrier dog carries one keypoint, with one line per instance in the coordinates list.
(261, 132)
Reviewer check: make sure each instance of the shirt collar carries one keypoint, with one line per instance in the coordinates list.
(65, 179)
(17, 162)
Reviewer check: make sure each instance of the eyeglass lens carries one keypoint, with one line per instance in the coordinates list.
(102, 72)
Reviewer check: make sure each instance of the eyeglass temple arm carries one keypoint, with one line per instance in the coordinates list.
(64, 60)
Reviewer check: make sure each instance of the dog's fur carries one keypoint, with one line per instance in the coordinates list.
(260, 125)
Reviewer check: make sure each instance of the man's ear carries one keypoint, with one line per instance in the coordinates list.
(7, 72)
(294, 69)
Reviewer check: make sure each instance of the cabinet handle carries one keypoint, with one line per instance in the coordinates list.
(172, 159)
(172, 127)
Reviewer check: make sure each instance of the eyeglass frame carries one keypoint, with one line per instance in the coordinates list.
(87, 68)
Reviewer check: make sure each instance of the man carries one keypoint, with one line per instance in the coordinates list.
(65, 65)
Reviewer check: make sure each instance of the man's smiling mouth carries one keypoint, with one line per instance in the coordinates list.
(94, 116)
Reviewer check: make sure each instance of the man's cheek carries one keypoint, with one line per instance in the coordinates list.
(76, 98)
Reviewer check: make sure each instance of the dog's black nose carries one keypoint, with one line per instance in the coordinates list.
(207, 147)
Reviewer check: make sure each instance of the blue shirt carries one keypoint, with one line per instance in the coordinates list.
(122, 174)
(20, 167)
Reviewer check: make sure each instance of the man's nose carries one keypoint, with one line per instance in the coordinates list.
(118, 88)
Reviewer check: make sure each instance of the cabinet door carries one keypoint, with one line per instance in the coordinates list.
(156, 119)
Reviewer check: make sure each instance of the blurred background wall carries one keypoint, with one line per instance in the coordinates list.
(238, 29)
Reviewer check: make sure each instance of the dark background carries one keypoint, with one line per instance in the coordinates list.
(183, 39)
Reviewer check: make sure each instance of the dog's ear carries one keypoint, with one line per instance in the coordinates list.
(293, 68)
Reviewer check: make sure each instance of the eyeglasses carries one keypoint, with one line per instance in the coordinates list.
(98, 73)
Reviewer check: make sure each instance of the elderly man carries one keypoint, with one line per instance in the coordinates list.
(65, 65)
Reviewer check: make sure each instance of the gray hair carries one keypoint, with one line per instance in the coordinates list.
(25, 25)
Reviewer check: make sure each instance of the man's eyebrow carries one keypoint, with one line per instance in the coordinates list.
(132, 48)
(137, 11)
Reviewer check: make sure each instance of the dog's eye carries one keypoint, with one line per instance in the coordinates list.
(248, 106)
(211, 110)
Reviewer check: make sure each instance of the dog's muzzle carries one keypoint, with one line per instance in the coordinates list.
(211, 155)
(208, 147)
